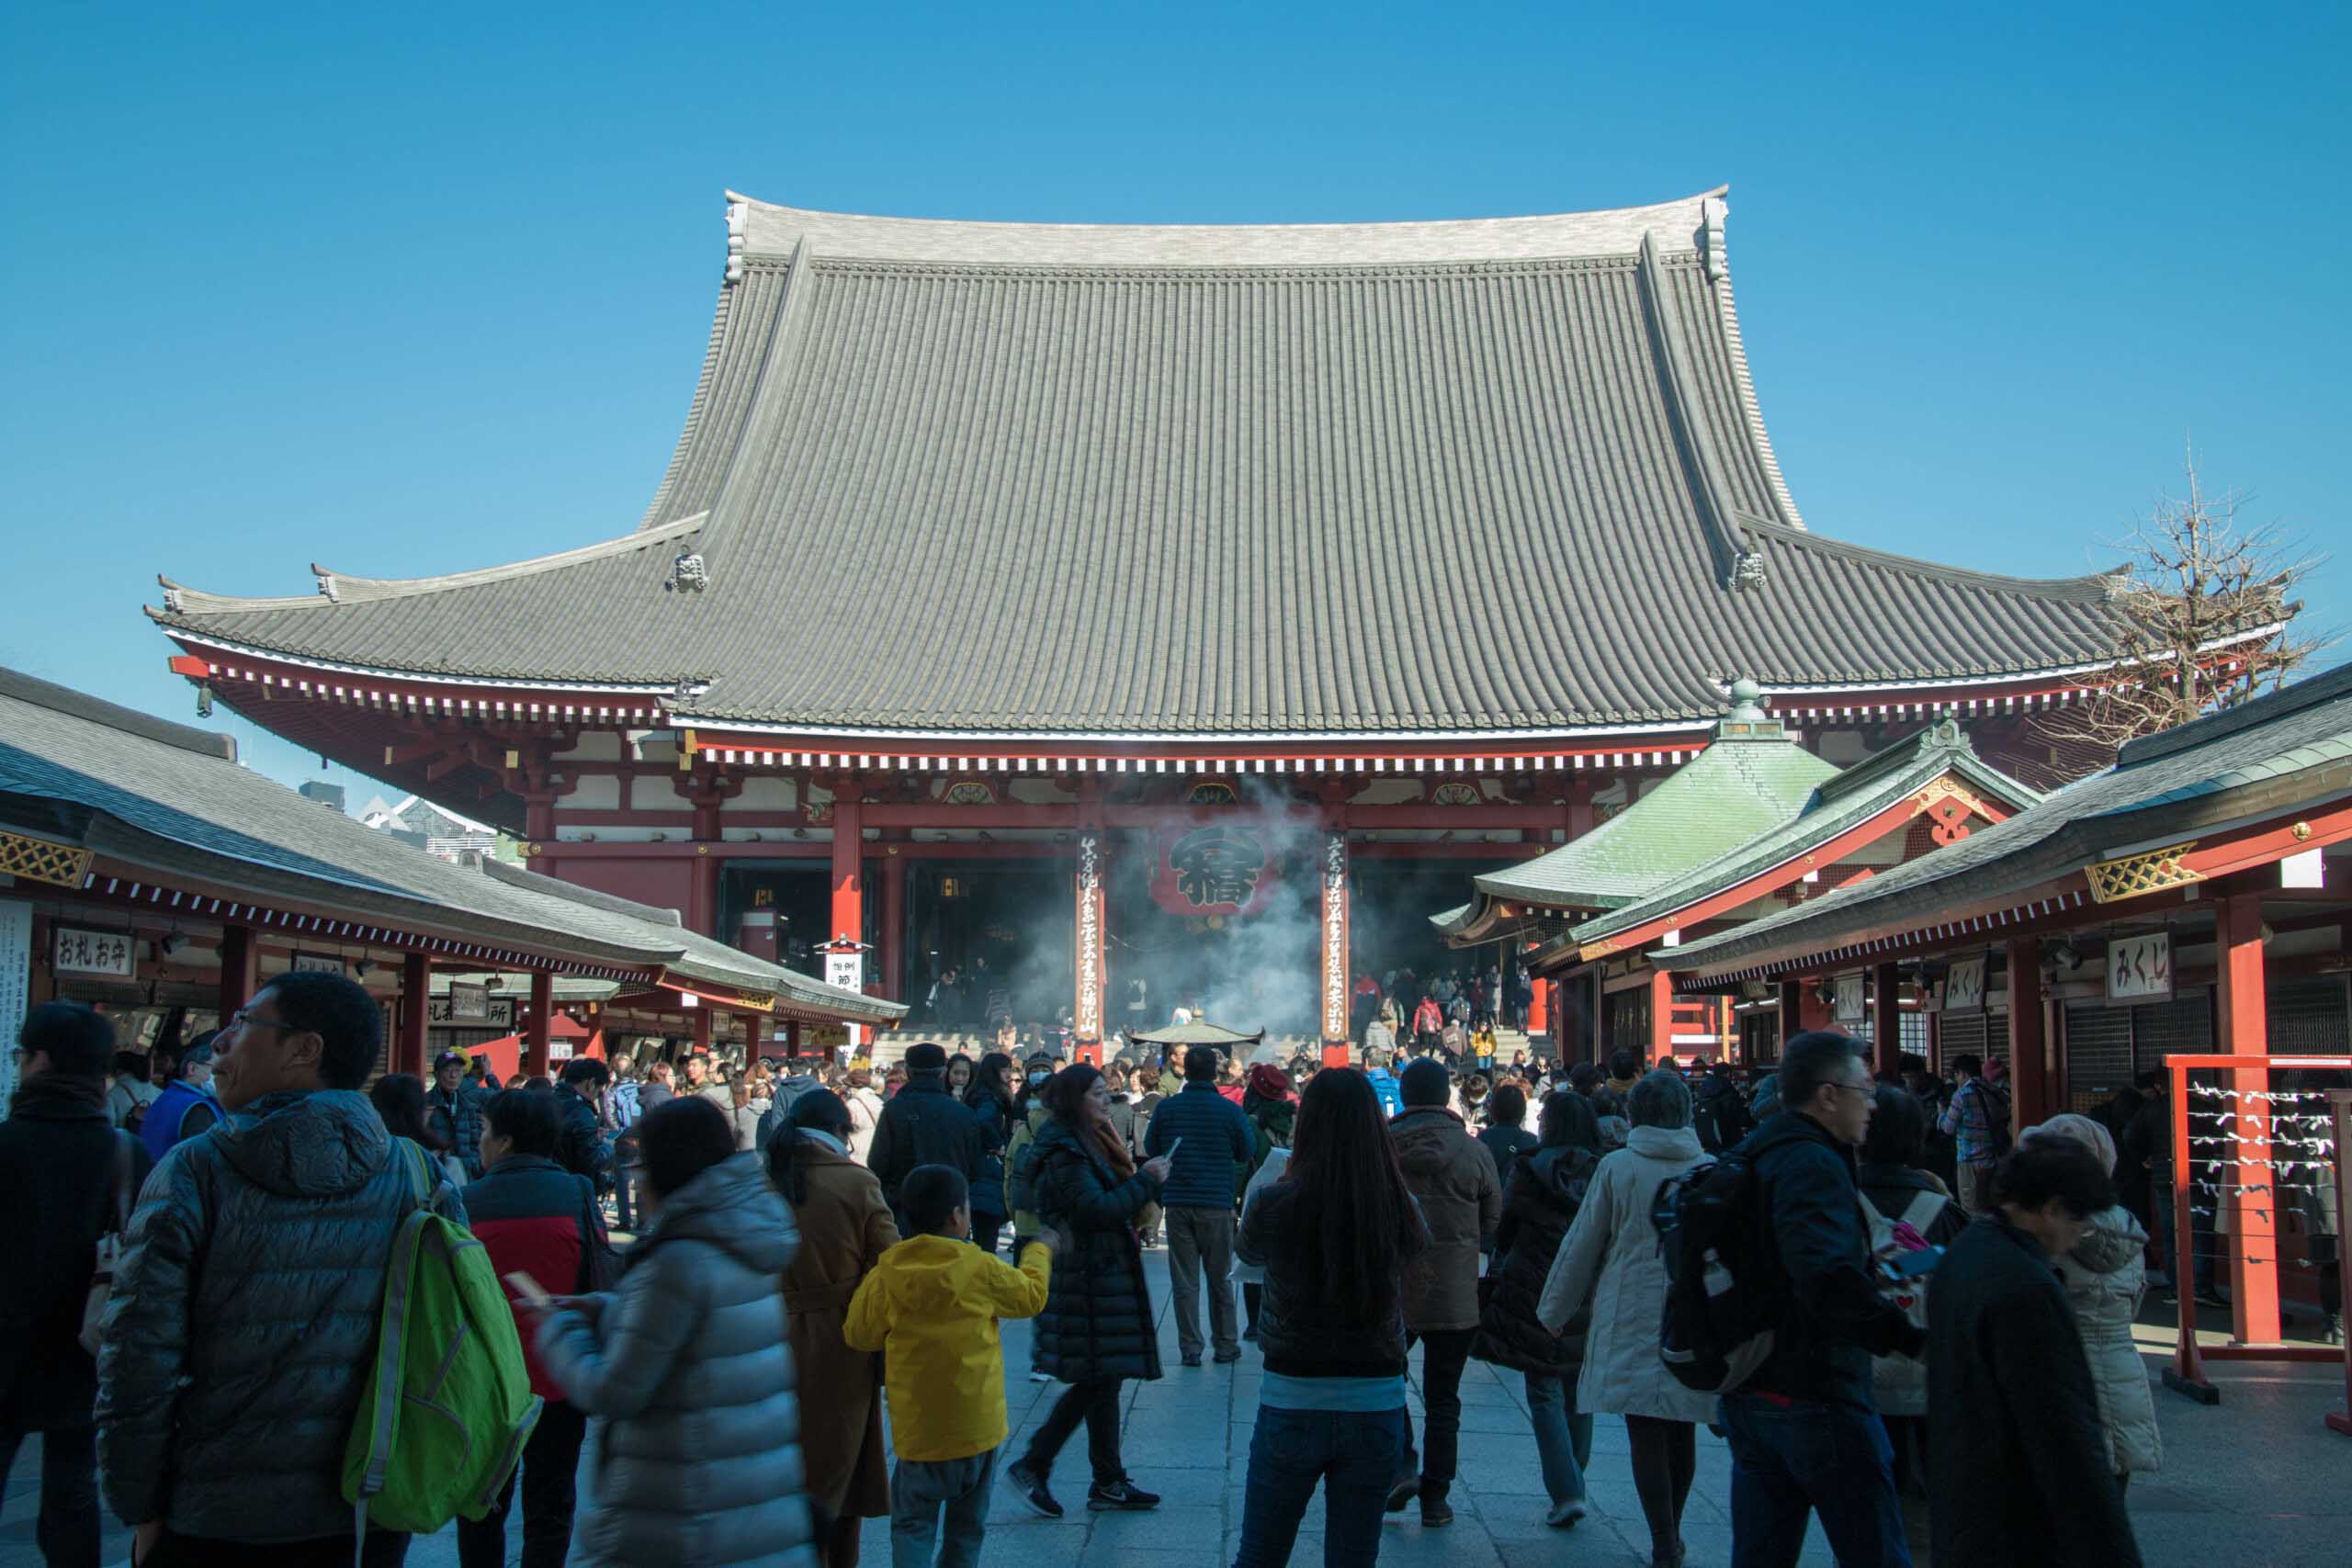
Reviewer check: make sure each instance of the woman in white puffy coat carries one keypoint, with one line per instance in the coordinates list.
(2105, 1277)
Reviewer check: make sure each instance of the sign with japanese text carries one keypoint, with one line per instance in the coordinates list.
(468, 1002)
(494, 1013)
(1965, 986)
(1851, 1003)
(76, 951)
(1215, 868)
(315, 962)
(1335, 937)
(2139, 968)
(15, 987)
(846, 970)
(1086, 1019)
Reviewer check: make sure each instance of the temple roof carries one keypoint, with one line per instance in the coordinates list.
(1882, 780)
(1752, 778)
(1192, 482)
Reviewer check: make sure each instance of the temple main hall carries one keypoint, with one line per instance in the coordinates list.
(1093, 620)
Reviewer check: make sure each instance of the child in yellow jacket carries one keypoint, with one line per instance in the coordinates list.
(932, 1305)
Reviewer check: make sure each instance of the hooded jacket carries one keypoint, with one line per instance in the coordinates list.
(1461, 1200)
(537, 1217)
(1610, 1258)
(1816, 1259)
(698, 1457)
(243, 1323)
(932, 1307)
(2017, 1468)
(1097, 1322)
(1547, 1187)
(2105, 1277)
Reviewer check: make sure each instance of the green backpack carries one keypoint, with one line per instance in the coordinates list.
(448, 1404)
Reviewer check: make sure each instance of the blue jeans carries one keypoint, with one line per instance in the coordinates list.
(1563, 1438)
(1792, 1458)
(1355, 1455)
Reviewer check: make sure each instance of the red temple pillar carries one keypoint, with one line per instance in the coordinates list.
(849, 867)
(535, 1060)
(1886, 1019)
(701, 893)
(1089, 958)
(792, 1037)
(2241, 1013)
(416, 1003)
(702, 1025)
(1539, 1007)
(1791, 1011)
(1336, 970)
(1661, 1042)
(894, 924)
(755, 1035)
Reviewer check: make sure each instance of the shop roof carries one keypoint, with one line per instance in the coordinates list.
(174, 799)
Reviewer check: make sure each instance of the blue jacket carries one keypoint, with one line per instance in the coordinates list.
(1218, 1145)
(1384, 1084)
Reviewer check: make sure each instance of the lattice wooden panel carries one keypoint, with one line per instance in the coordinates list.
(39, 859)
(2134, 875)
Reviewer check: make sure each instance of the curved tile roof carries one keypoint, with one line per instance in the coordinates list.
(1209, 482)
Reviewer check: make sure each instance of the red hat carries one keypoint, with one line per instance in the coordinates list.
(1270, 1081)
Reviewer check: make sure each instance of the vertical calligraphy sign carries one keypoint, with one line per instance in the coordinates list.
(1335, 940)
(1087, 1019)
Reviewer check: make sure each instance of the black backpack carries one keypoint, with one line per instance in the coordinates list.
(1717, 1327)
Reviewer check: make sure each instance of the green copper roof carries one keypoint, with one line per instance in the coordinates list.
(1851, 797)
(1751, 779)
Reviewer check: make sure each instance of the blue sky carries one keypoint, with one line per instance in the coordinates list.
(411, 289)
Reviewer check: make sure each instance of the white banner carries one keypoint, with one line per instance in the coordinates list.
(75, 950)
(1965, 986)
(16, 988)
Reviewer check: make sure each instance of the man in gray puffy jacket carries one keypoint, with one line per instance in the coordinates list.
(242, 1322)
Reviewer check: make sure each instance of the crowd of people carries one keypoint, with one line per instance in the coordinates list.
(1947, 1359)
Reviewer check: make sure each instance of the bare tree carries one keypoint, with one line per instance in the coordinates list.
(2205, 615)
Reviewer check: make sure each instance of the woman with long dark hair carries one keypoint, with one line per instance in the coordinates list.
(1096, 1331)
(1546, 1188)
(990, 1095)
(1334, 1235)
(960, 1073)
(844, 1229)
(398, 1098)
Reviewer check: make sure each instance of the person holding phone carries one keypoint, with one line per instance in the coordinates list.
(1198, 1203)
(1096, 1331)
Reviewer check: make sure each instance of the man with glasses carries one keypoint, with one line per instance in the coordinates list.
(1804, 1431)
(244, 1313)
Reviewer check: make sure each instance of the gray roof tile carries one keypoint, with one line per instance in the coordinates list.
(1254, 474)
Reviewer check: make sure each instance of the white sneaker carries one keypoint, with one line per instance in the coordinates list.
(1566, 1515)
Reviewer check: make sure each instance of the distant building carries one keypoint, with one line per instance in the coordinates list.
(327, 794)
(442, 834)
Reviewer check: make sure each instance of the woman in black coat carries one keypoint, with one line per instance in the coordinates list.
(989, 1096)
(1096, 1331)
(1547, 1190)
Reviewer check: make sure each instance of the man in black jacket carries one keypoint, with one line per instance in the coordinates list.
(1804, 1434)
(61, 1164)
(925, 1124)
(2017, 1464)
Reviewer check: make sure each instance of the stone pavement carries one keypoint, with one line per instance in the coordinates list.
(2255, 1482)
